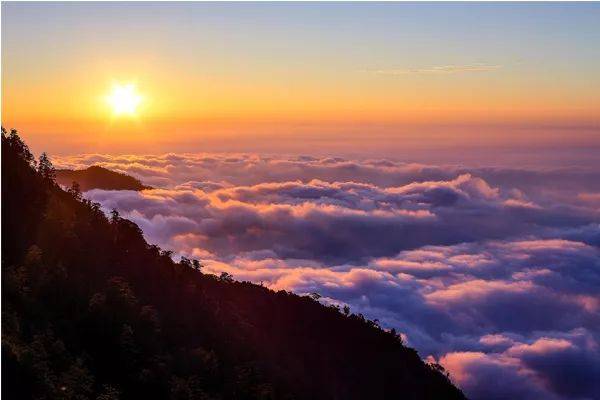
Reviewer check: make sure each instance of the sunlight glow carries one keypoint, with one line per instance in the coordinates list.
(124, 99)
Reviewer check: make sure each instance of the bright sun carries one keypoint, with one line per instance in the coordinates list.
(124, 99)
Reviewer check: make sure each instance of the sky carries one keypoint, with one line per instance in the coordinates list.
(293, 77)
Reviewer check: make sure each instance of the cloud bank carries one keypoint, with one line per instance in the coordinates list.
(493, 272)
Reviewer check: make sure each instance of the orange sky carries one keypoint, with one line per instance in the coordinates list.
(213, 74)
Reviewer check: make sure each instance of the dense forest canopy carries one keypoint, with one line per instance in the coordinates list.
(92, 311)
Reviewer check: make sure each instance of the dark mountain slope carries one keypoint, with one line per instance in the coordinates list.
(96, 177)
(91, 311)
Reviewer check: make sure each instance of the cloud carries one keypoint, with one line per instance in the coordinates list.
(567, 365)
(494, 272)
(501, 330)
(438, 70)
(562, 367)
(569, 185)
(338, 222)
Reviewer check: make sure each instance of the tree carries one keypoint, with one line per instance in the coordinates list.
(96, 208)
(18, 145)
(186, 262)
(109, 393)
(346, 310)
(154, 249)
(315, 296)
(46, 169)
(33, 255)
(166, 253)
(75, 190)
(114, 216)
(225, 277)
(196, 265)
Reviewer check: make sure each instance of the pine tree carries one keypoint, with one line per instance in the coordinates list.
(16, 143)
(45, 168)
(75, 190)
(196, 265)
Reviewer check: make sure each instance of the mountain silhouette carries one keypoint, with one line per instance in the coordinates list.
(97, 177)
(92, 311)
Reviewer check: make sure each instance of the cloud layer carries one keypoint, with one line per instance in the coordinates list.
(493, 272)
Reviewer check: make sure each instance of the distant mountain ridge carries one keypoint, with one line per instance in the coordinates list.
(97, 177)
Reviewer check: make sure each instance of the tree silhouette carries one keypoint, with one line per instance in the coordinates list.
(196, 265)
(75, 190)
(45, 168)
(166, 253)
(114, 216)
(225, 277)
(109, 393)
(315, 296)
(186, 262)
(15, 142)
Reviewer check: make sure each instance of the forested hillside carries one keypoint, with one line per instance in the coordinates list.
(92, 311)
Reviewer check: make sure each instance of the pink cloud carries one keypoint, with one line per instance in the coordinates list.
(473, 266)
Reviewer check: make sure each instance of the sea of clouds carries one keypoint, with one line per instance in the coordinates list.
(493, 272)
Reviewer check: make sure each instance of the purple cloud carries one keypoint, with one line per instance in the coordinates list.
(495, 273)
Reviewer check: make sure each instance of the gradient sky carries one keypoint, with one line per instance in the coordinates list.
(290, 76)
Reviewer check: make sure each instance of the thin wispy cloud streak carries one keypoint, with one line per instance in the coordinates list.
(441, 69)
(493, 272)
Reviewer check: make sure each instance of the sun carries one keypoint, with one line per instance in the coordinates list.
(124, 99)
